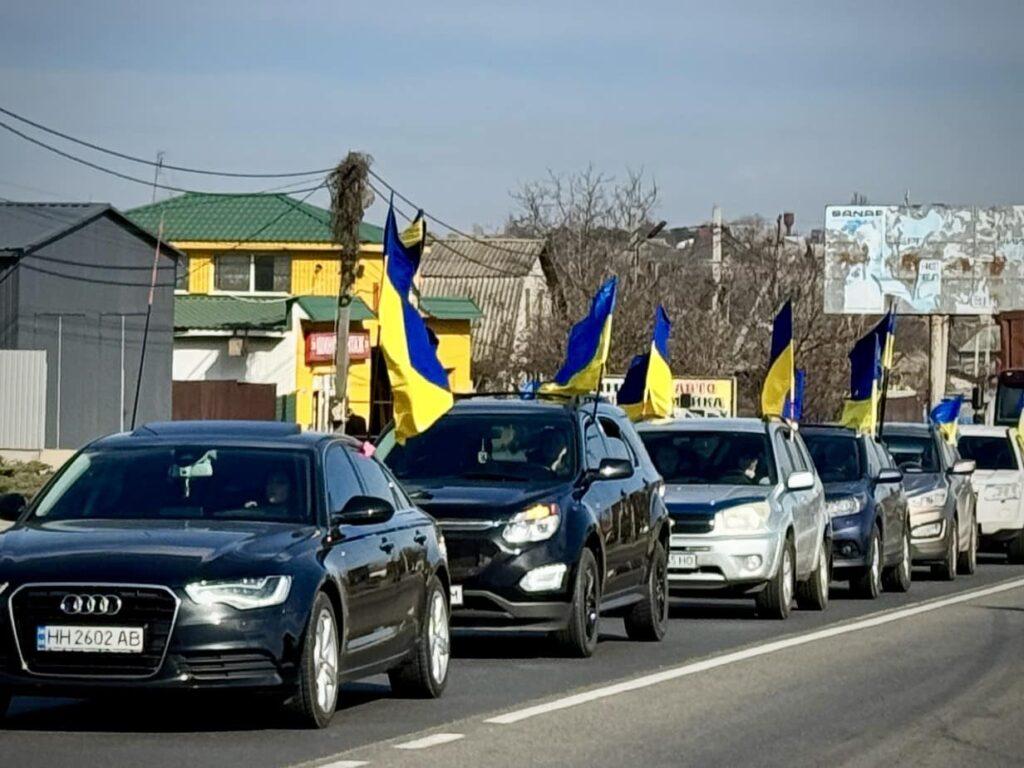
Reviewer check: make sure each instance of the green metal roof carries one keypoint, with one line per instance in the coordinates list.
(450, 307)
(252, 217)
(323, 309)
(224, 313)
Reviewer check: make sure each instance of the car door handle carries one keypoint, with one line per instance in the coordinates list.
(420, 538)
(387, 546)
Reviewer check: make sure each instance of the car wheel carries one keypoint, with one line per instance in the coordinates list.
(896, 578)
(946, 570)
(317, 696)
(425, 674)
(813, 594)
(968, 561)
(868, 584)
(1015, 552)
(648, 619)
(579, 638)
(775, 601)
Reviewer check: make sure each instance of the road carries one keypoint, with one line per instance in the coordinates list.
(934, 677)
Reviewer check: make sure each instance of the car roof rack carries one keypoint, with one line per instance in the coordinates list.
(589, 397)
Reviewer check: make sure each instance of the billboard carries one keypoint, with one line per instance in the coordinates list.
(711, 397)
(933, 259)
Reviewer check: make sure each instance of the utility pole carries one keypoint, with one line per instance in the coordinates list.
(152, 290)
(350, 196)
(716, 254)
(938, 337)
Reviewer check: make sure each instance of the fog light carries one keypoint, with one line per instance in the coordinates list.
(547, 578)
(927, 531)
(847, 550)
(753, 562)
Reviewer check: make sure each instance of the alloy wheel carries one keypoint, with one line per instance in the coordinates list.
(876, 565)
(787, 577)
(906, 565)
(590, 605)
(438, 638)
(823, 572)
(660, 576)
(326, 660)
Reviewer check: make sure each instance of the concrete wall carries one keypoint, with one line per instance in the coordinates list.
(266, 361)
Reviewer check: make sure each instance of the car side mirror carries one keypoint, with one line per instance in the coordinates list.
(614, 469)
(800, 481)
(363, 510)
(11, 506)
(963, 467)
(889, 476)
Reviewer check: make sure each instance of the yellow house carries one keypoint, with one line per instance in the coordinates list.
(256, 302)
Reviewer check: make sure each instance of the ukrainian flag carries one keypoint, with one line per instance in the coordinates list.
(886, 333)
(779, 381)
(587, 348)
(648, 391)
(419, 384)
(945, 415)
(860, 411)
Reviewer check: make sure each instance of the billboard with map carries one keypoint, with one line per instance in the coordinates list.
(933, 259)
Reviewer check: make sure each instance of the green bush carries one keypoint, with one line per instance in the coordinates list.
(24, 477)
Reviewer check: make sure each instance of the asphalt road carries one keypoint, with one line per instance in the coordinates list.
(933, 677)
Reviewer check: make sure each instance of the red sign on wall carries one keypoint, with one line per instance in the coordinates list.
(320, 346)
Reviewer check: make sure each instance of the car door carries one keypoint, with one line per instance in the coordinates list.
(798, 502)
(817, 515)
(356, 557)
(603, 496)
(960, 488)
(632, 498)
(887, 501)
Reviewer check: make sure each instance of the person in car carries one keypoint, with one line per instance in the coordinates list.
(667, 460)
(550, 450)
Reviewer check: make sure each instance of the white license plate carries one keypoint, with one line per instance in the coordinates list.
(67, 639)
(684, 560)
(456, 595)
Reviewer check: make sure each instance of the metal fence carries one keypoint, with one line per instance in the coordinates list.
(22, 399)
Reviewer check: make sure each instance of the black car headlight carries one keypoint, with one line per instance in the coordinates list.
(243, 594)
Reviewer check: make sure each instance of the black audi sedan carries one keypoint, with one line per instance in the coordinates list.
(214, 555)
(552, 512)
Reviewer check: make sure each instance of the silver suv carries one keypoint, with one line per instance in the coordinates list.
(748, 512)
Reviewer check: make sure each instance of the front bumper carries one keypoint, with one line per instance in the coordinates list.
(928, 549)
(998, 516)
(851, 539)
(724, 563)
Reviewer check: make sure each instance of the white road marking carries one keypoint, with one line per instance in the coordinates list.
(344, 764)
(430, 741)
(748, 653)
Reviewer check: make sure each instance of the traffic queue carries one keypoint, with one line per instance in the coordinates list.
(253, 556)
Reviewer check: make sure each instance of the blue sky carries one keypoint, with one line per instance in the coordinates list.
(761, 107)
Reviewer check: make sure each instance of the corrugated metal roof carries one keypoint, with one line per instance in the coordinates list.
(324, 309)
(450, 307)
(224, 313)
(250, 217)
(481, 257)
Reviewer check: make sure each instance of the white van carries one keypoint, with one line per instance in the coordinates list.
(999, 484)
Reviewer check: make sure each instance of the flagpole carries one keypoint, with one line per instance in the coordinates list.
(885, 369)
(597, 398)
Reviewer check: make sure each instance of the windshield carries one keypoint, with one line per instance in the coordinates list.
(988, 451)
(836, 457)
(181, 483)
(711, 458)
(486, 448)
(913, 453)
(1009, 399)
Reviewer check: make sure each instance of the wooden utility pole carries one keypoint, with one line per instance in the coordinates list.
(350, 197)
(938, 327)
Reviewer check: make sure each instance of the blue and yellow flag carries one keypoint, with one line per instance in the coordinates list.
(779, 381)
(860, 411)
(886, 333)
(419, 384)
(648, 391)
(587, 348)
(945, 415)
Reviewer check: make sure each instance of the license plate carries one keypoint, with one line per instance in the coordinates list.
(684, 560)
(456, 595)
(68, 639)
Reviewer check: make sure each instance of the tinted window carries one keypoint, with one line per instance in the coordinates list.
(617, 448)
(990, 452)
(1009, 400)
(594, 445)
(377, 483)
(513, 448)
(342, 484)
(710, 458)
(913, 453)
(205, 482)
(836, 457)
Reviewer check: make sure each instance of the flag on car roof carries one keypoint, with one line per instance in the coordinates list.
(419, 383)
(587, 348)
(945, 415)
(648, 391)
(778, 383)
(860, 410)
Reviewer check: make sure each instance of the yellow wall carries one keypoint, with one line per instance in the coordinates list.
(454, 351)
(200, 272)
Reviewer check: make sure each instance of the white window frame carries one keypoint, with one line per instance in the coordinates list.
(252, 274)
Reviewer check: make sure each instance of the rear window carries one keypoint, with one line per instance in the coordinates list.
(988, 451)
(711, 458)
(913, 453)
(836, 457)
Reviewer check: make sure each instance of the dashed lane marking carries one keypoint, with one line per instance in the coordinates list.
(430, 741)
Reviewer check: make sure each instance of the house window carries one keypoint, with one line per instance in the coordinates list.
(253, 273)
(181, 274)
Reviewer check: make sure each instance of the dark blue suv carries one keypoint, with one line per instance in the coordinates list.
(866, 501)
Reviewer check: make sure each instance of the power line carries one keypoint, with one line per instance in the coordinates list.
(144, 161)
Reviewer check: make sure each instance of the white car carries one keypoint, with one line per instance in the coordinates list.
(999, 484)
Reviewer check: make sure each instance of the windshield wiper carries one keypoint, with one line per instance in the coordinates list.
(421, 495)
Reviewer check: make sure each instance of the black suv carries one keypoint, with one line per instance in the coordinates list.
(214, 555)
(552, 513)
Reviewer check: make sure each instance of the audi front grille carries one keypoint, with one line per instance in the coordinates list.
(154, 608)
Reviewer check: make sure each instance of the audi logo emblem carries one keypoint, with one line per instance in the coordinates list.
(91, 605)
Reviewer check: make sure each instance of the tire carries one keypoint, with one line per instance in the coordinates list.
(579, 638)
(967, 562)
(775, 601)
(1015, 551)
(946, 570)
(317, 695)
(867, 585)
(647, 620)
(812, 595)
(896, 578)
(425, 674)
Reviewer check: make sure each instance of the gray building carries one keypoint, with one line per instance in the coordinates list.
(74, 282)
